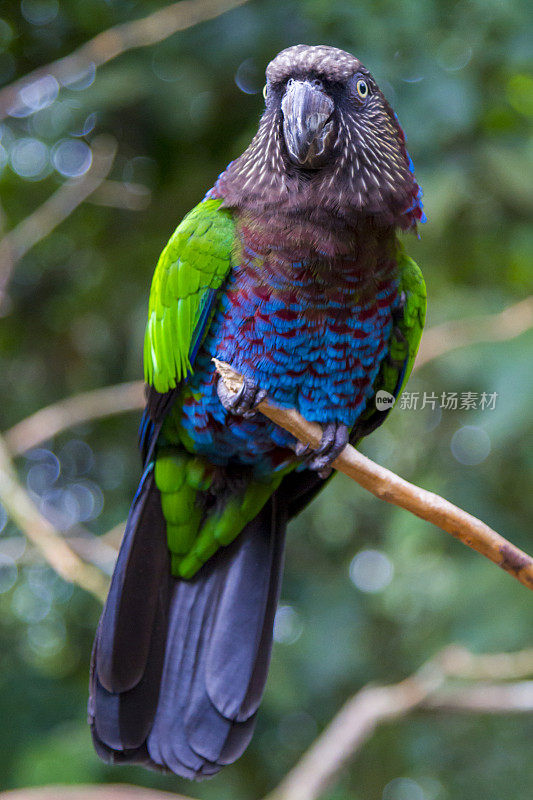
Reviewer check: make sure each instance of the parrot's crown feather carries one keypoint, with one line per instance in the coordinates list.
(327, 62)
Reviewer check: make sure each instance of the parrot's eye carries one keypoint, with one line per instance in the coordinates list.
(362, 89)
(265, 91)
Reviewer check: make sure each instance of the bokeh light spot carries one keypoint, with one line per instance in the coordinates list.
(520, 93)
(248, 78)
(89, 499)
(41, 477)
(29, 158)
(288, 626)
(29, 606)
(39, 94)
(403, 789)
(72, 158)
(47, 637)
(87, 126)
(39, 12)
(470, 445)
(76, 458)
(164, 67)
(82, 79)
(454, 54)
(199, 107)
(371, 571)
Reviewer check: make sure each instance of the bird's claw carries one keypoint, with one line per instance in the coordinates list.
(301, 449)
(335, 436)
(244, 402)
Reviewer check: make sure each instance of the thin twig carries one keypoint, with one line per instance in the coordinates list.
(109, 44)
(317, 769)
(484, 697)
(20, 507)
(507, 324)
(107, 792)
(55, 209)
(51, 420)
(490, 666)
(390, 487)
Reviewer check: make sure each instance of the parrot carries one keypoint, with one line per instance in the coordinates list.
(291, 270)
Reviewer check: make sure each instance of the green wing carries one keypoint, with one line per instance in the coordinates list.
(403, 344)
(188, 275)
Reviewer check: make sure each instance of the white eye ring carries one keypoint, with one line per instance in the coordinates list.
(265, 91)
(362, 89)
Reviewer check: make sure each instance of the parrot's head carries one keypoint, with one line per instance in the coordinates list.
(328, 136)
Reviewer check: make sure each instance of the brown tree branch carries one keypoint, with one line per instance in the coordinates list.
(54, 210)
(317, 769)
(110, 400)
(507, 324)
(53, 419)
(490, 666)
(390, 487)
(109, 44)
(20, 507)
(105, 792)
(99, 403)
(484, 697)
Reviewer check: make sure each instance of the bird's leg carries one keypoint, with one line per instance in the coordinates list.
(245, 401)
(335, 437)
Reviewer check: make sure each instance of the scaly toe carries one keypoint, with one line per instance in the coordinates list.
(242, 403)
(301, 449)
(228, 398)
(334, 439)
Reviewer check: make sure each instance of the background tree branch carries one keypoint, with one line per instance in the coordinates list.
(507, 324)
(105, 792)
(53, 419)
(390, 487)
(432, 687)
(355, 723)
(109, 44)
(55, 209)
(42, 533)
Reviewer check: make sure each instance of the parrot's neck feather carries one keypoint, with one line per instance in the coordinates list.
(354, 187)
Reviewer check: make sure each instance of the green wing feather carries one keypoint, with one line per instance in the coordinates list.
(191, 270)
(189, 273)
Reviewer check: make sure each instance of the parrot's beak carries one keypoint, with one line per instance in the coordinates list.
(307, 124)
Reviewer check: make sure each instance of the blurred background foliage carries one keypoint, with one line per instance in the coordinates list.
(370, 592)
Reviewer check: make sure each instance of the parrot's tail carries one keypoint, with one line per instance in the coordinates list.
(179, 667)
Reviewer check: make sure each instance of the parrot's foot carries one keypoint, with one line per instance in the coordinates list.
(244, 402)
(335, 437)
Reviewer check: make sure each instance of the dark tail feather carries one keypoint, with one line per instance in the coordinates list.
(130, 610)
(179, 667)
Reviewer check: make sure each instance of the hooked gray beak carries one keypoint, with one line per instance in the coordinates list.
(307, 126)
